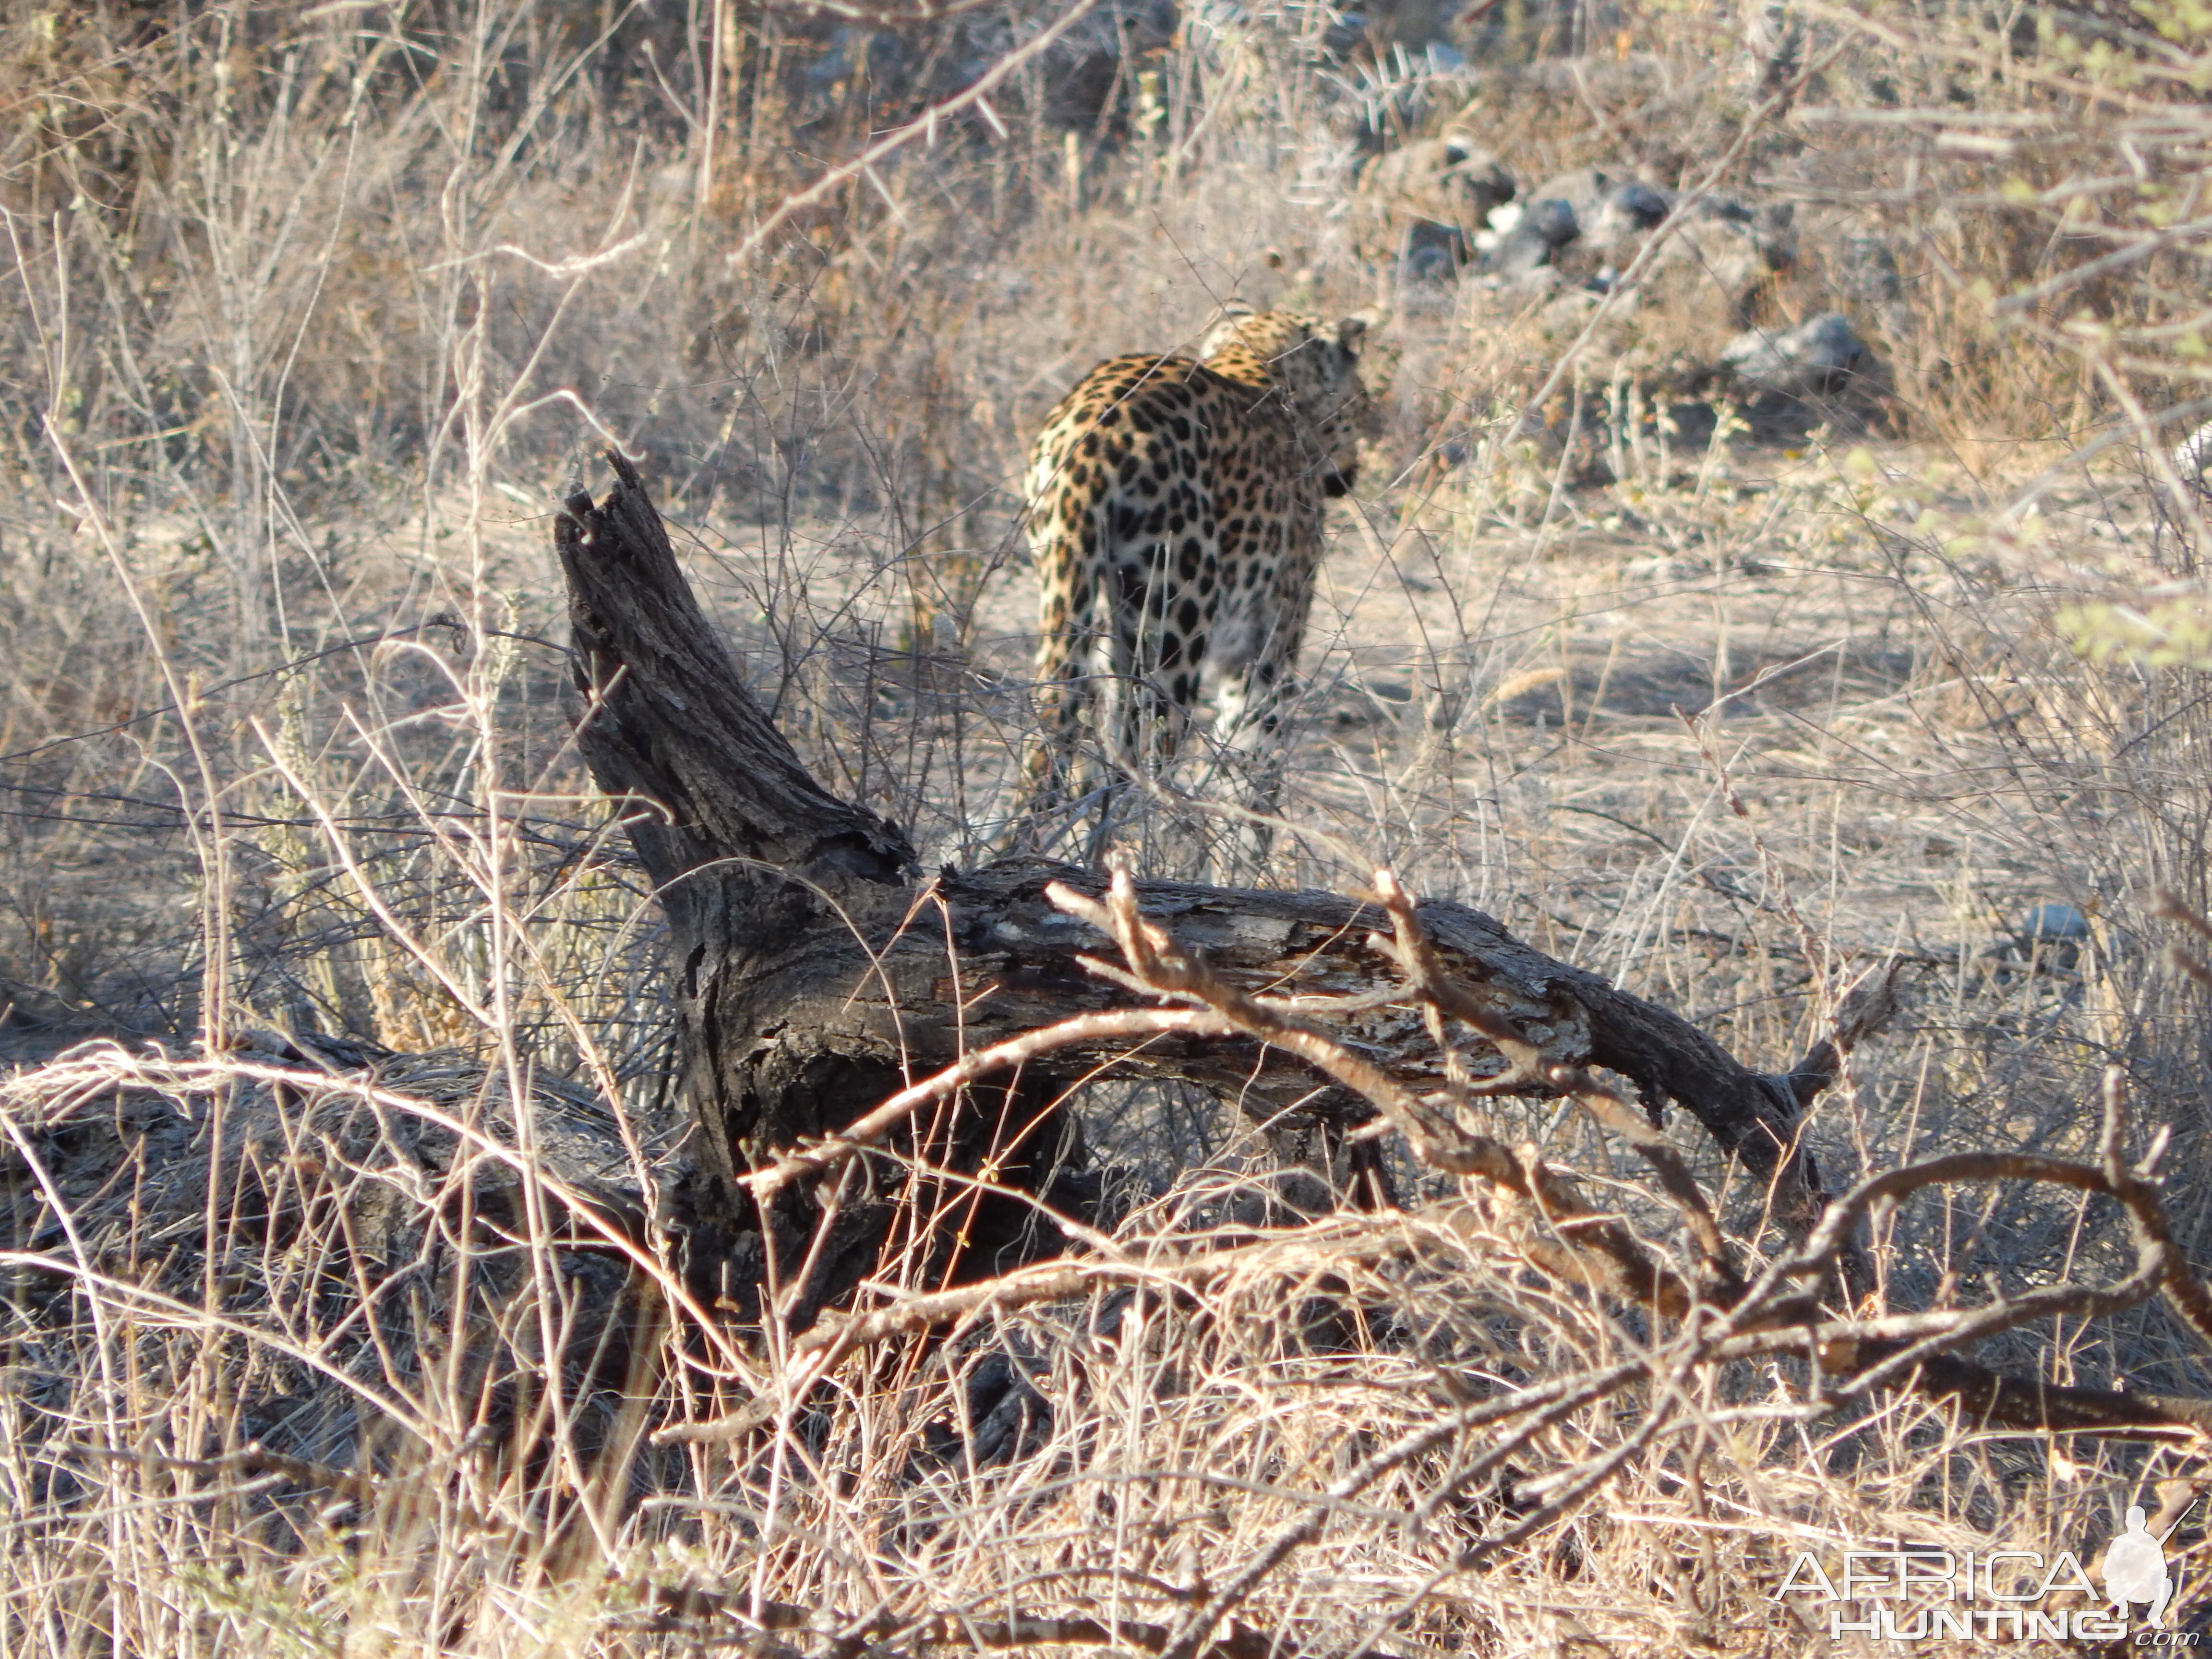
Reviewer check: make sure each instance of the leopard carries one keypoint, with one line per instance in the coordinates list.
(1176, 509)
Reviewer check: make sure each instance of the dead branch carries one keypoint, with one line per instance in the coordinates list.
(924, 126)
(1858, 1356)
(820, 979)
(869, 1131)
(1596, 1241)
(1410, 950)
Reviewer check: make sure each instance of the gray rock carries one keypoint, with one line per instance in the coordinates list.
(1451, 179)
(2054, 921)
(1773, 229)
(1720, 259)
(2054, 931)
(1610, 209)
(1546, 226)
(1817, 358)
(1582, 190)
(1606, 216)
(1422, 205)
(1631, 209)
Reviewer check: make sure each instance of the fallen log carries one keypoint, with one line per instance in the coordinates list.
(818, 971)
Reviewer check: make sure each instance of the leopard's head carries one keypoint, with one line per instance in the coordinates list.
(1317, 367)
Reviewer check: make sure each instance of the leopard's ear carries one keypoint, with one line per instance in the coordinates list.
(1352, 331)
(1236, 308)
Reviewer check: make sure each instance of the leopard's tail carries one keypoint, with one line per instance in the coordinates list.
(1064, 544)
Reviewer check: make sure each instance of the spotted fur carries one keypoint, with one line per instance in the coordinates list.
(1176, 509)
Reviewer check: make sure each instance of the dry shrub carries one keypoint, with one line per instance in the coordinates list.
(319, 308)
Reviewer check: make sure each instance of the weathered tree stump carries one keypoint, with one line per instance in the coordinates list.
(818, 971)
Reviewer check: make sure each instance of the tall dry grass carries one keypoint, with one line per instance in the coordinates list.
(317, 310)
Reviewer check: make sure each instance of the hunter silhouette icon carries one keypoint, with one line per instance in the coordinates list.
(2135, 1570)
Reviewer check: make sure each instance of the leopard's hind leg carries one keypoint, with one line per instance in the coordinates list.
(1255, 658)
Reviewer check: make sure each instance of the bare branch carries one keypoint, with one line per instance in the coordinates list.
(1413, 953)
(865, 1132)
(923, 126)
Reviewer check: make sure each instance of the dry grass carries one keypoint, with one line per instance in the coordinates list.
(318, 309)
